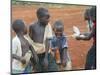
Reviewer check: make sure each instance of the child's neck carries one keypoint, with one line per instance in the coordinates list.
(20, 34)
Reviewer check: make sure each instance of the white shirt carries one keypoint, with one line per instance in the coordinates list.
(16, 49)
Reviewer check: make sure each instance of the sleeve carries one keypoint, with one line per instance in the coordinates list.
(14, 46)
(64, 42)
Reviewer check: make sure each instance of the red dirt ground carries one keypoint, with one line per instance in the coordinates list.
(70, 16)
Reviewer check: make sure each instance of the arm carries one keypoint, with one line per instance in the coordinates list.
(16, 57)
(88, 36)
(46, 53)
(21, 59)
(35, 59)
(14, 50)
(34, 54)
(65, 47)
(30, 31)
(64, 59)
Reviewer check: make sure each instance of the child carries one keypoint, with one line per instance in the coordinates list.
(59, 44)
(40, 32)
(21, 49)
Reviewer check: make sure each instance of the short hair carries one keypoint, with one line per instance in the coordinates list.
(58, 25)
(41, 12)
(93, 13)
(18, 25)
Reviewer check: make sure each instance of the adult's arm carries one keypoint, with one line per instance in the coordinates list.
(88, 36)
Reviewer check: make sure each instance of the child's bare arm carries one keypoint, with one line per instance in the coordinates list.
(36, 59)
(64, 60)
(21, 59)
(16, 57)
(14, 50)
(30, 31)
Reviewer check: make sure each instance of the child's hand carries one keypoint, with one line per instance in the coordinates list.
(23, 60)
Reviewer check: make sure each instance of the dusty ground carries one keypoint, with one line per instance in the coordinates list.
(70, 16)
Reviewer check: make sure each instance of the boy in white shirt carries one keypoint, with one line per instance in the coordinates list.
(21, 49)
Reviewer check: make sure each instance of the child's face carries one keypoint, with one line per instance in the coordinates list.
(44, 20)
(58, 33)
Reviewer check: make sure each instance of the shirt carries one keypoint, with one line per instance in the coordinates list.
(16, 49)
(60, 42)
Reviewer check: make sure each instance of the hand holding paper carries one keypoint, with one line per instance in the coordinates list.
(76, 31)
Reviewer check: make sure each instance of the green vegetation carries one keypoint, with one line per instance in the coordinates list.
(41, 4)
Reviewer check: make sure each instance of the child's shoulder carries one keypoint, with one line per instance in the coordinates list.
(16, 40)
(33, 24)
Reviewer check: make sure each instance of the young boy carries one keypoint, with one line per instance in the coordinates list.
(40, 32)
(59, 44)
(21, 49)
